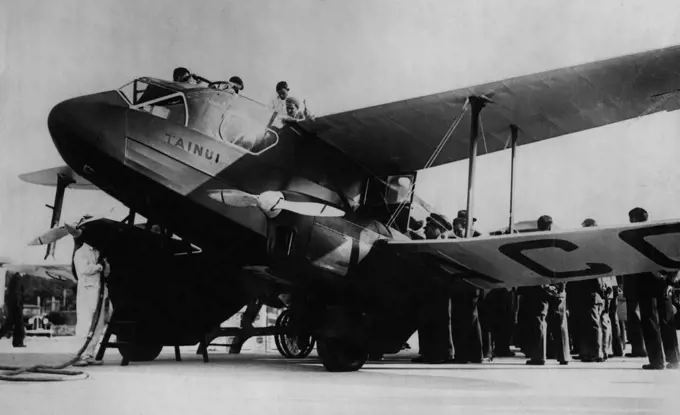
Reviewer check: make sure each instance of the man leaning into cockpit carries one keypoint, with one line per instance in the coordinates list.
(296, 111)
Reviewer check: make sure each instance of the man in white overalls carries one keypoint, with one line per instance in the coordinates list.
(91, 269)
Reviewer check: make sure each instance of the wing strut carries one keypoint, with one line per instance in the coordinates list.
(513, 136)
(477, 103)
(62, 183)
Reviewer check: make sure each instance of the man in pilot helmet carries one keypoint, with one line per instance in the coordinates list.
(182, 74)
(237, 84)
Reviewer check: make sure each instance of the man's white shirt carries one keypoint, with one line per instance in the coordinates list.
(278, 105)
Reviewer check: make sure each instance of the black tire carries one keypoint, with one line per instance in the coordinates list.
(140, 352)
(292, 347)
(340, 355)
(278, 338)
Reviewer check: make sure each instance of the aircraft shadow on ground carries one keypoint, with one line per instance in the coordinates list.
(309, 364)
(313, 364)
(250, 366)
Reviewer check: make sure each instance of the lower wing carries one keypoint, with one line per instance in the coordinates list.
(549, 257)
(60, 272)
(50, 177)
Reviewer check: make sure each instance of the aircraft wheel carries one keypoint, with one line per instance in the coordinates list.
(340, 355)
(140, 352)
(279, 339)
(292, 346)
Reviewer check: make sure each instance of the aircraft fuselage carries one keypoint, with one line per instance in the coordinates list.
(162, 163)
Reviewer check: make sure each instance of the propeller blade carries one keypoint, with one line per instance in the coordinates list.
(233, 197)
(310, 209)
(75, 232)
(56, 234)
(272, 203)
(50, 236)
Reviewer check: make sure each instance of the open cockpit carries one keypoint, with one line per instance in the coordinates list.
(216, 112)
(222, 114)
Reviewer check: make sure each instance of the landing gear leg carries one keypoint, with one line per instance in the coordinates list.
(252, 310)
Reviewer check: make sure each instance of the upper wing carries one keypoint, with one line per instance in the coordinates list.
(549, 257)
(48, 177)
(402, 136)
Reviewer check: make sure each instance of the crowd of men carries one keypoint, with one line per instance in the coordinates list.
(555, 321)
(290, 108)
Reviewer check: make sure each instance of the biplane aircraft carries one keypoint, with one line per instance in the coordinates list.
(318, 210)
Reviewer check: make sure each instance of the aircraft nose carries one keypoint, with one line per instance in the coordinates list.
(72, 122)
(94, 122)
(58, 122)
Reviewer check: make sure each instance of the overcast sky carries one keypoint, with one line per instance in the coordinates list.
(341, 55)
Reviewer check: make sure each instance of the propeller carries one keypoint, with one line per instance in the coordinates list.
(272, 203)
(50, 236)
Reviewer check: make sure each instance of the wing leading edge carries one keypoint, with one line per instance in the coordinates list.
(549, 257)
(401, 136)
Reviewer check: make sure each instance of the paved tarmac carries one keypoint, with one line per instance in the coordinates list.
(265, 383)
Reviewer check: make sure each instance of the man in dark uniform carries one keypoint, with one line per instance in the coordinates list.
(577, 311)
(499, 303)
(14, 300)
(434, 336)
(579, 302)
(634, 328)
(542, 302)
(653, 291)
(462, 216)
(618, 331)
(466, 328)
(656, 318)
(458, 228)
(556, 322)
(591, 307)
